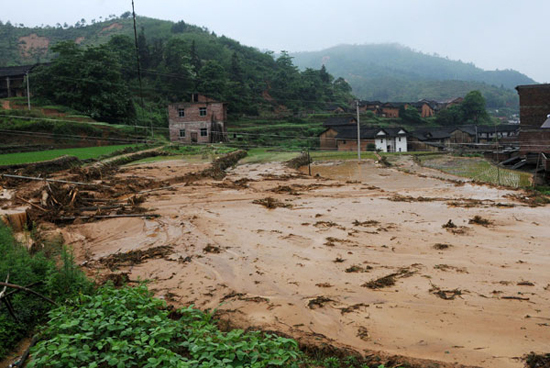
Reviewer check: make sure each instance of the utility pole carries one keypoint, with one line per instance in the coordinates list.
(28, 92)
(138, 63)
(498, 161)
(358, 132)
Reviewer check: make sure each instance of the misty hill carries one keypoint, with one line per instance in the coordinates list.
(391, 72)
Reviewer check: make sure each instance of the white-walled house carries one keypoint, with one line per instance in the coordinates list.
(391, 140)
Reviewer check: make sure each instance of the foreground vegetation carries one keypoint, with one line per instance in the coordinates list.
(129, 328)
(51, 272)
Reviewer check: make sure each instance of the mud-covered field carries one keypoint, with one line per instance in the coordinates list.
(361, 256)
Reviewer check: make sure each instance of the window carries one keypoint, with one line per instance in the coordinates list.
(399, 139)
(343, 142)
(202, 111)
(181, 113)
(381, 141)
(182, 133)
(204, 132)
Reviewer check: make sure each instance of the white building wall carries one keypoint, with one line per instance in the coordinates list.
(381, 144)
(401, 144)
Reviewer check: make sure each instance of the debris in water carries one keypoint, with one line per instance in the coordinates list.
(352, 308)
(478, 220)
(212, 249)
(134, 257)
(389, 280)
(271, 203)
(445, 294)
(318, 302)
(449, 225)
(366, 223)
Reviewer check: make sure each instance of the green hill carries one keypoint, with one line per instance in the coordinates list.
(391, 72)
(177, 59)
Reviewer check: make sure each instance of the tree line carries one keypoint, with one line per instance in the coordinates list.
(102, 81)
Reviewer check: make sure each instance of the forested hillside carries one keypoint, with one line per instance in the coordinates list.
(391, 72)
(94, 70)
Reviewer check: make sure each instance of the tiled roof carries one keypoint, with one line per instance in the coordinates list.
(12, 71)
(340, 120)
(351, 132)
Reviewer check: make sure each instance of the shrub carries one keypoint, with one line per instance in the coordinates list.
(49, 280)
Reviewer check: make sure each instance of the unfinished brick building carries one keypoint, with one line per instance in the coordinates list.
(534, 104)
(203, 120)
(534, 136)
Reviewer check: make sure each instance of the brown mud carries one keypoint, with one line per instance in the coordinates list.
(271, 268)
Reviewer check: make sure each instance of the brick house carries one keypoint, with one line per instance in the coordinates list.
(346, 138)
(333, 125)
(391, 109)
(203, 120)
(534, 135)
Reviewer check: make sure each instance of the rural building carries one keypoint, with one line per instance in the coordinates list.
(12, 81)
(445, 137)
(343, 137)
(430, 139)
(373, 106)
(391, 109)
(335, 109)
(346, 138)
(534, 136)
(534, 104)
(391, 140)
(425, 109)
(327, 139)
(203, 120)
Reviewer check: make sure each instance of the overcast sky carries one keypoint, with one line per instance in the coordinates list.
(493, 34)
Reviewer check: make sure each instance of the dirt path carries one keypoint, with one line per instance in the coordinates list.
(475, 295)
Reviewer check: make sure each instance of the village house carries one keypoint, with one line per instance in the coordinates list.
(346, 138)
(12, 80)
(391, 140)
(443, 138)
(327, 139)
(391, 109)
(202, 120)
(430, 139)
(381, 139)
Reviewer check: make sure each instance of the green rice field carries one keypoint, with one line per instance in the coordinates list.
(81, 153)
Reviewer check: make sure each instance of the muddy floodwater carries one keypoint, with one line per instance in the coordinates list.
(358, 257)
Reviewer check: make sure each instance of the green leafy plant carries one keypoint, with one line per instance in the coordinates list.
(129, 328)
(45, 276)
